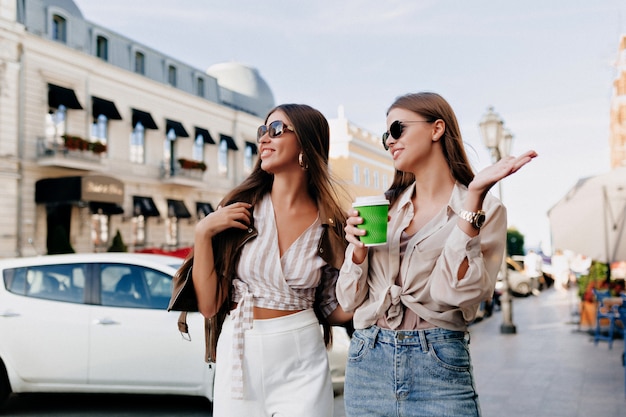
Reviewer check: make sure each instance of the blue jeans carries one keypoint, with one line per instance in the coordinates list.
(409, 374)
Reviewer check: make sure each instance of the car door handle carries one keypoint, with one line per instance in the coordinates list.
(106, 321)
(9, 314)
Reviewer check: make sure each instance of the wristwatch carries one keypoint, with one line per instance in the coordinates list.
(475, 218)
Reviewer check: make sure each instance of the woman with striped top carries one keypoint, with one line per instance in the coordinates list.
(270, 255)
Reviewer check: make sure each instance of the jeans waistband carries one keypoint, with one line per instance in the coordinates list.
(412, 337)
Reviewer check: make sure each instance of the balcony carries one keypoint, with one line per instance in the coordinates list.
(75, 153)
(185, 172)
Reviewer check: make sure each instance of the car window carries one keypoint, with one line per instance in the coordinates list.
(134, 286)
(52, 282)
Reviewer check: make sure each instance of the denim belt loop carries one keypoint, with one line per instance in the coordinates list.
(374, 336)
(468, 337)
(423, 341)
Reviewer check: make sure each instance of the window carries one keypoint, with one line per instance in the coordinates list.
(59, 28)
(99, 129)
(137, 139)
(169, 156)
(139, 230)
(102, 48)
(385, 182)
(366, 177)
(200, 87)
(376, 180)
(247, 158)
(132, 286)
(171, 75)
(100, 230)
(52, 282)
(198, 148)
(140, 63)
(55, 125)
(171, 231)
(356, 178)
(222, 158)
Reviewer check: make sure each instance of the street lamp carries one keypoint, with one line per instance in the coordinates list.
(498, 140)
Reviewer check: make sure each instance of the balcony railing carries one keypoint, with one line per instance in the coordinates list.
(71, 154)
(185, 171)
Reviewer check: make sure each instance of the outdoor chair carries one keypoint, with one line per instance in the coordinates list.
(606, 312)
(622, 314)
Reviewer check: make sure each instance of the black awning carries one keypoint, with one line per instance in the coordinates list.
(203, 209)
(62, 96)
(145, 118)
(205, 135)
(177, 208)
(105, 107)
(230, 142)
(144, 206)
(179, 130)
(105, 208)
(252, 147)
(90, 188)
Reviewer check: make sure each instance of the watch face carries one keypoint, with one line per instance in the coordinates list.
(480, 220)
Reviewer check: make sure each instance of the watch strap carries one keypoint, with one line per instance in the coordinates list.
(475, 218)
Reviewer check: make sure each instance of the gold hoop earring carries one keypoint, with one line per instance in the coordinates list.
(303, 164)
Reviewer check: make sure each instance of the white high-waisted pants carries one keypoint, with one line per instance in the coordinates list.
(285, 370)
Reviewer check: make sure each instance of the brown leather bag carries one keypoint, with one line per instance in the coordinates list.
(184, 300)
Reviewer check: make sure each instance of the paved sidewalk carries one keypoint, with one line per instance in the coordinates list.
(549, 368)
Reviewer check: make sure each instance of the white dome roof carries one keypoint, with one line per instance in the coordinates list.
(243, 80)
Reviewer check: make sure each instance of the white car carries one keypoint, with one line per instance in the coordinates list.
(98, 323)
(519, 283)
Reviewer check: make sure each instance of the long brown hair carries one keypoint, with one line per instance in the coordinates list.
(313, 134)
(433, 107)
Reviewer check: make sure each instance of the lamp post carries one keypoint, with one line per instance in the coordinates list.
(498, 140)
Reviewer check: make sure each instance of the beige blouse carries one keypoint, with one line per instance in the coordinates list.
(429, 285)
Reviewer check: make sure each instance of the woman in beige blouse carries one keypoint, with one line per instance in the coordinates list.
(414, 297)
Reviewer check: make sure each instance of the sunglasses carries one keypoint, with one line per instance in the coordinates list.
(396, 128)
(273, 130)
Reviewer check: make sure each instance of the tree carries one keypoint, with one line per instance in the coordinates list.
(118, 244)
(514, 242)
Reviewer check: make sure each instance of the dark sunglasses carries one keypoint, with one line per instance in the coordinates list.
(273, 130)
(396, 128)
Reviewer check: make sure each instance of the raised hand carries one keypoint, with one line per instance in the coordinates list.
(236, 215)
(485, 179)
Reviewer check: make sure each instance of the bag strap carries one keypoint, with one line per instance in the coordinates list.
(183, 328)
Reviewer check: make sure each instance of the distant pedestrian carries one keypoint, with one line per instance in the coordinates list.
(533, 263)
(414, 296)
(560, 270)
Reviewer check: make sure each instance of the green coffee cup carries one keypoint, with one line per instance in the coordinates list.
(373, 210)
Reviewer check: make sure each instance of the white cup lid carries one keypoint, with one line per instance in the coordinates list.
(373, 200)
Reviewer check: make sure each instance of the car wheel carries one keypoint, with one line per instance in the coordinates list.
(523, 288)
(5, 386)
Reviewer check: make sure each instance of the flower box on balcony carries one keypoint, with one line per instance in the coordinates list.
(191, 164)
(77, 143)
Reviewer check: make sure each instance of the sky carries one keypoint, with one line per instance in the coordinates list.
(547, 68)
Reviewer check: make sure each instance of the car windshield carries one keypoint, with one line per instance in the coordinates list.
(176, 265)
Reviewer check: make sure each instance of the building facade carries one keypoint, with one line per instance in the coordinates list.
(358, 159)
(101, 134)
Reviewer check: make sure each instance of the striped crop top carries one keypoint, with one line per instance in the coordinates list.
(267, 280)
